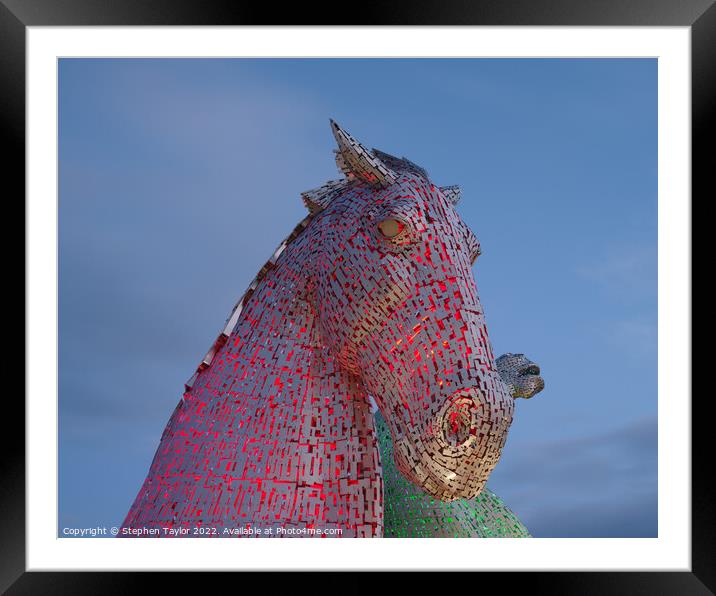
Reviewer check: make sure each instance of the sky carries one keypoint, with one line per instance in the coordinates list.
(178, 179)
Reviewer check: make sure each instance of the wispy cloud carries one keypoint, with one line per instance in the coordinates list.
(636, 337)
(623, 271)
(604, 484)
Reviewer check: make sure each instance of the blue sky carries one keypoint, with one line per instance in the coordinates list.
(178, 178)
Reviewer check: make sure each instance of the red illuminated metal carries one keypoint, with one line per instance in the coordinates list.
(371, 295)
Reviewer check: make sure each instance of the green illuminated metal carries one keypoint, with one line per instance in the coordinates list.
(411, 513)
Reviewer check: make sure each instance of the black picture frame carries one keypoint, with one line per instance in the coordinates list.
(16, 15)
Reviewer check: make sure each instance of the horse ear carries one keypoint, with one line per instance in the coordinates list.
(319, 198)
(356, 162)
(452, 193)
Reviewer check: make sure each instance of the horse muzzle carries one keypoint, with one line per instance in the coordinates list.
(460, 446)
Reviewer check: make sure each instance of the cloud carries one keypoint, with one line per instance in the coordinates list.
(625, 276)
(637, 337)
(594, 486)
(624, 271)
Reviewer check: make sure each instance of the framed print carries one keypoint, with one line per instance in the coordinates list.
(413, 292)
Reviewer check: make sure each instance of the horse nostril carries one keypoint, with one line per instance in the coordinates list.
(458, 422)
(456, 427)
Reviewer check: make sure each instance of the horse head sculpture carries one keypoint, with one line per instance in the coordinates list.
(398, 307)
(371, 295)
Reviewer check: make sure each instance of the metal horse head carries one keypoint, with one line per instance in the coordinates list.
(372, 294)
(398, 307)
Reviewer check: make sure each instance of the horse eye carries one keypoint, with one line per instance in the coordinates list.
(390, 228)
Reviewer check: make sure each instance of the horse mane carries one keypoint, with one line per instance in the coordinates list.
(233, 317)
(400, 164)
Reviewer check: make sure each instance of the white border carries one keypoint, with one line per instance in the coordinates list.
(670, 551)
